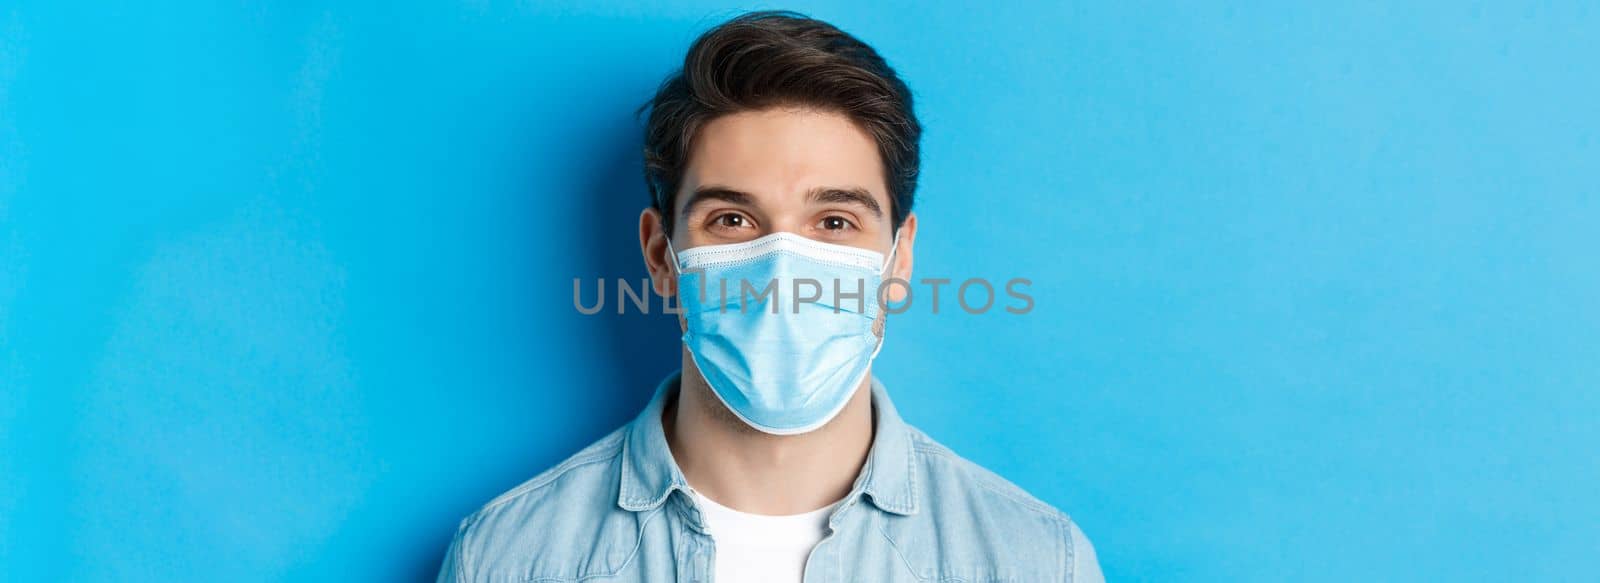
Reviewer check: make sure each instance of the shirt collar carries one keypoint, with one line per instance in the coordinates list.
(649, 474)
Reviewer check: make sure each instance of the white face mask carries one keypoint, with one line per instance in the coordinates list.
(786, 358)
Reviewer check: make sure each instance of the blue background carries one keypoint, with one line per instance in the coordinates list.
(285, 291)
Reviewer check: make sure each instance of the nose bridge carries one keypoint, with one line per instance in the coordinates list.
(783, 197)
(787, 211)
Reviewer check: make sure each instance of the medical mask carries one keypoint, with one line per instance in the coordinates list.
(781, 327)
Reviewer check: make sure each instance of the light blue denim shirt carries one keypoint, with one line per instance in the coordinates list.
(620, 510)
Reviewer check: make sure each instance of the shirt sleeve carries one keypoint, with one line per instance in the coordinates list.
(1085, 566)
(450, 571)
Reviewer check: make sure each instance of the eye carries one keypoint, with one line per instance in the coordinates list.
(730, 222)
(835, 224)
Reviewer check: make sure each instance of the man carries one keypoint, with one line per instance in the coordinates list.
(781, 162)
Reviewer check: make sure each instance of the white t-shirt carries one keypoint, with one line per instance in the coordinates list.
(758, 547)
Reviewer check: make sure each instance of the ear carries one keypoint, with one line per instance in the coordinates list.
(903, 258)
(657, 256)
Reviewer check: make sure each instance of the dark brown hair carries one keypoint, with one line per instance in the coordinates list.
(779, 58)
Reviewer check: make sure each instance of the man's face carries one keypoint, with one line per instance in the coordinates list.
(802, 171)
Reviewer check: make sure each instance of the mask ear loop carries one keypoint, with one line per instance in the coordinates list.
(677, 276)
(883, 276)
(888, 262)
(672, 256)
(677, 273)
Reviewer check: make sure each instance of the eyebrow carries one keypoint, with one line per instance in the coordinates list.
(709, 193)
(857, 196)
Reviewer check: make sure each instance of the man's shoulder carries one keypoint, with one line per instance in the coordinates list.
(586, 468)
(950, 473)
(579, 494)
(963, 496)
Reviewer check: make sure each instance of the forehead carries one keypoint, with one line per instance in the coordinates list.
(779, 154)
